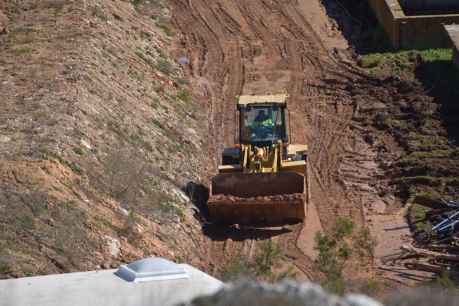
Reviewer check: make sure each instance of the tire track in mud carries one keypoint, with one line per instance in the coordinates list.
(268, 46)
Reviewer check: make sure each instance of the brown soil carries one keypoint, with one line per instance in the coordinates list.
(98, 135)
(255, 47)
(98, 138)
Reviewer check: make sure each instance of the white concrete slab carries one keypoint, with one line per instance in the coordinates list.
(104, 288)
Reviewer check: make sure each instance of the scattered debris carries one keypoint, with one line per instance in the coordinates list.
(436, 248)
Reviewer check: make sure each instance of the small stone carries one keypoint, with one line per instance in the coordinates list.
(86, 144)
(124, 211)
(4, 139)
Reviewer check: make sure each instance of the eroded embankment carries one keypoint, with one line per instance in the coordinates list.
(99, 131)
(98, 134)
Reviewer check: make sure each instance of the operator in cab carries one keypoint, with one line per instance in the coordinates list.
(262, 120)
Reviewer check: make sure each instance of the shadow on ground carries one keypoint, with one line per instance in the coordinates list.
(199, 195)
(221, 233)
(440, 79)
(358, 25)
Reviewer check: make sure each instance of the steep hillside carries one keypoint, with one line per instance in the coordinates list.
(98, 135)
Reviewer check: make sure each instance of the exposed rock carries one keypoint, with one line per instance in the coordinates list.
(113, 246)
(86, 144)
(287, 293)
(4, 138)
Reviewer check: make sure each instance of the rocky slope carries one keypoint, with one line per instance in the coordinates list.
(98, 135)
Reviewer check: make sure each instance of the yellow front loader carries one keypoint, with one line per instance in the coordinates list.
(262, 179)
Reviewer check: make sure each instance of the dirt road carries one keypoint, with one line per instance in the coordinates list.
(266, 46)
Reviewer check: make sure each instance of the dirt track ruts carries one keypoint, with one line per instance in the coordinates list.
(266, 46)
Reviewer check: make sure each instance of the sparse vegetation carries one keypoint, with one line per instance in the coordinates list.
(264, 265)
(337, 247)
(88, 189)
(238, 267)
(165, 25)
(184, 95)
(364, 244)
(145, 58)
(164, 66)
(4, 268)
(334, 251)
(23, 50)
(78, 151)
(401, 61)
(267, 257)
(136, 3)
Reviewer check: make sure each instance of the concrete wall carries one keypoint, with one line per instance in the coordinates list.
(420, 5)
(456, 57)
(407, 32)
(104, 288)
(452, 31)
(387, 11)
(425, 32)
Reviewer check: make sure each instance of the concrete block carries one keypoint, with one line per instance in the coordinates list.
(452, 31)
(104, 288)
(414, 31)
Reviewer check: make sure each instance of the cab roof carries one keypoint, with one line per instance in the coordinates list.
(255, 99)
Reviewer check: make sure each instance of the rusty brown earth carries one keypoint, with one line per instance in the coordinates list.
(257, 47)
(65, 116)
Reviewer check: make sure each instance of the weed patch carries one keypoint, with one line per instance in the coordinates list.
(23, 50)
(165, 26)
(164, 66)
(418, 217)
(238, 267)
(261, 267)
(145, 58)
(401, 61)
(336, 248)
(4, 268)
(78, 151)
(184, 95)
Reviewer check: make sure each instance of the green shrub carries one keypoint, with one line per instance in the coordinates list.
(184, 95)
(268, 256)
(4, 268)
(164, 66)
(165, 26)
(236, 268)
(78, 151)
(335, 250)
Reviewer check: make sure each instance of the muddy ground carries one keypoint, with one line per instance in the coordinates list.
(100, 139)
(256, 47)
(310, 49)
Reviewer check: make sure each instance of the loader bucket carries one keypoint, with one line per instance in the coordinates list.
(262, 199)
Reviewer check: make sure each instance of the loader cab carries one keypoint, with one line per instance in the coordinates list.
(262, 124)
